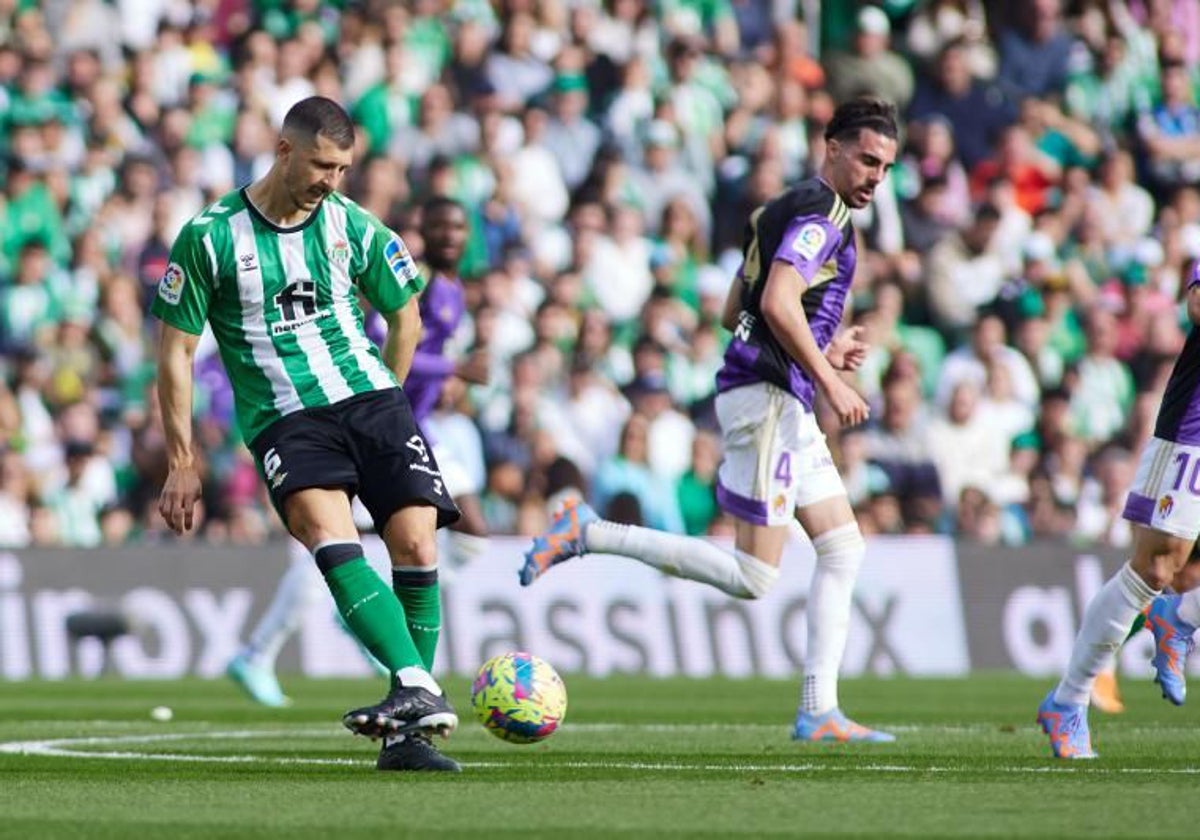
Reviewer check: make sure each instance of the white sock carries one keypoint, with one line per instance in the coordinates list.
(1104, 627)
(462, 549)
(740, 575)
(839, 555)
(414, 676)
(300, 587)
(1189, 607)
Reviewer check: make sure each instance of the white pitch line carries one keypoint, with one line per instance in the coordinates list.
(972, 729)
(63, 748)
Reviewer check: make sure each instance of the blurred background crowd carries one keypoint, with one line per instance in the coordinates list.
(1020, 272)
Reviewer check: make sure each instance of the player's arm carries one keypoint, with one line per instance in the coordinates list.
(784, 314)
(389, 279)
(182, 305)
(176, 358)
(404, 332)
(806, 246)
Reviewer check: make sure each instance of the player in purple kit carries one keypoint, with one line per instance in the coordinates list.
(1164, 507)
(784, 309)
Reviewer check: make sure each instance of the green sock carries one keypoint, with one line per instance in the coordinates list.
(373, 613)
(418, 590)
(1138, 624)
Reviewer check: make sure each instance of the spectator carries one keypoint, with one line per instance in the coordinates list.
(1102, 400)
(872, 68)
(696, 489)
(931, 157)
(1034, 52)
(16, 493)
(628, 472)
(900, 444)
(1030, 171)
(976, 110)
(862, 478)
(969, 363)
(670, 432)
(938, 22)
(1102, 500)
(515, 73)
(570, 135)
(964, 272)
(75, 509)
(968, 452)
(1170, 133)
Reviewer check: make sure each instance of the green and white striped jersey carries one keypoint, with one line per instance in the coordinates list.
(282, 302)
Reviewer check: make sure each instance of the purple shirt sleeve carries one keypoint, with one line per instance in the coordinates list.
(432, 364)
(808, 243)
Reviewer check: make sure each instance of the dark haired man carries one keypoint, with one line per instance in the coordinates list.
(274, 269)
(784, 308)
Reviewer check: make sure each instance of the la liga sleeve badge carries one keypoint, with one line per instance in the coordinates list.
(809, 240)
(170, 288)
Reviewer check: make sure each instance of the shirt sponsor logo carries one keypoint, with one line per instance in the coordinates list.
(398, 259)
(809, 240)
(170, 288)
(246, 262)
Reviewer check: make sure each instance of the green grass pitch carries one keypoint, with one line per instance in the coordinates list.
(637, 757)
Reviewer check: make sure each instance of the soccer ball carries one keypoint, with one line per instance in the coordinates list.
(519, 697)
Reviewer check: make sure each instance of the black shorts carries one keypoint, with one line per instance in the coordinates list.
(369, 445)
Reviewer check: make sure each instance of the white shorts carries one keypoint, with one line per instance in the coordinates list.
(454, 473)
(776, 459)
(1165, 494)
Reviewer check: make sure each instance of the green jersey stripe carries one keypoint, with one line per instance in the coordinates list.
(320, 251)
(345, 305)
(255, 392)
(284, 397)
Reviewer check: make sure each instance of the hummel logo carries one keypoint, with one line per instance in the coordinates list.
(246, 262)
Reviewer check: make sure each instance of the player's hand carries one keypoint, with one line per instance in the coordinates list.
(476, 368)
(850, 407)
(848, 350)
(177, 502)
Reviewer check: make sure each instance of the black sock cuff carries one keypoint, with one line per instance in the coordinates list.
(414, 576)
(332, 555)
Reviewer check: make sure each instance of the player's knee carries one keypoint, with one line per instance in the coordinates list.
(412, 549)
(1157, 561)
(841, 548)
(758, 578)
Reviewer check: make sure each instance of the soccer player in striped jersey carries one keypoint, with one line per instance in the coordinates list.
(784, 309)
(442, 308)
(1164, 507)
(274, 269)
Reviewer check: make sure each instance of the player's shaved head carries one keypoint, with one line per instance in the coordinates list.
(318, 115)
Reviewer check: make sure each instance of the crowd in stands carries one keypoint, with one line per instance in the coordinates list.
(1020, 272)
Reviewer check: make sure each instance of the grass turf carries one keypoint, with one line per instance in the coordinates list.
(637, 757)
